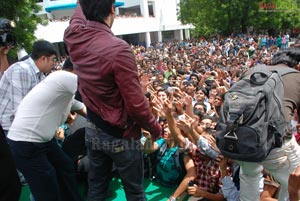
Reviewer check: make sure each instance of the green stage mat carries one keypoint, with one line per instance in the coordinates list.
(154, 191)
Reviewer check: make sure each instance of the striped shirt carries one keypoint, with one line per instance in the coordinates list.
(15, 83)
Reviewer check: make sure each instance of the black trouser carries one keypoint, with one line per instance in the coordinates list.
(10, 187)
(47, 169)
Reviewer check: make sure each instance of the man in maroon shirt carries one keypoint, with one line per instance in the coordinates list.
(117, 108)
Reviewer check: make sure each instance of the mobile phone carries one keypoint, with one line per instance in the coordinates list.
(191, 183)
(181, 117)
(170, 89)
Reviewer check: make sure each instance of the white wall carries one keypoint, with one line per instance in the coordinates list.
(54, 31)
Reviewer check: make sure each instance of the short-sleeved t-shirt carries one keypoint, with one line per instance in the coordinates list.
(168, 174)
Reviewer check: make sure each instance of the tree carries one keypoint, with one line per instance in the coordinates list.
(229, 16)
(23, 12)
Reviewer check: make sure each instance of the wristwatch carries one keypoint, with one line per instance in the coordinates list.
(172, 198)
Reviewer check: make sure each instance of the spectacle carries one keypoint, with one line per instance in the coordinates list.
(54, 59)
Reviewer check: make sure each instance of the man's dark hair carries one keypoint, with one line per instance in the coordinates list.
(221, 95)
(202, 104)
(204, 90)
(162, 90)
(96, 10)
(198, 113)
(289, 56)
(180, 72)
(194, 75)
(42, 48)
(207, 117)
(68, 65)
(172, 76)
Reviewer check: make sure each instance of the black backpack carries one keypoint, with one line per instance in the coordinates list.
(252, 120)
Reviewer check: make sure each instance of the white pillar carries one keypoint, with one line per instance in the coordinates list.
(117, 11)
(148, 39)
(159, 19)
(21, 53)
(187, 34)
(180, 35)
(144, 9)
(159, 36)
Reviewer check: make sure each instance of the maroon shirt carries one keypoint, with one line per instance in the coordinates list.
(107, 76)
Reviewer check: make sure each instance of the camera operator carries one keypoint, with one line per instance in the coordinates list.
(10, 186)
(7, 41)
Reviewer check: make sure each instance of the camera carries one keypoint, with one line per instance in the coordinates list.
(6, 28)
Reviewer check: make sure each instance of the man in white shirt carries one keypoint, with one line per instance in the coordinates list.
(47, 169)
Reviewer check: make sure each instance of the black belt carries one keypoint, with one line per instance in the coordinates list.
(99, 123)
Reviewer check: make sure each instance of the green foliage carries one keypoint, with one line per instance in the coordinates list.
(228, 16)
(23, 13)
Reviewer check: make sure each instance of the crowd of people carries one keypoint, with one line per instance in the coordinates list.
(159, 104)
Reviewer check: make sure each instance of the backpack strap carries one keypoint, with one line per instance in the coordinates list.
(281, 70)
(177, 158)
(176, 155)
(286, 70)
(162, 150)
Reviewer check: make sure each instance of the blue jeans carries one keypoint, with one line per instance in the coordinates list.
(103, 150)
(47, 169)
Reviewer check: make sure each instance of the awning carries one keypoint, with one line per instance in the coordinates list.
(72, 6)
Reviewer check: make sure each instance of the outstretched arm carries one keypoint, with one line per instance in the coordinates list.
(175, 131)
(190, 176)
(149, 146)
(3, 58)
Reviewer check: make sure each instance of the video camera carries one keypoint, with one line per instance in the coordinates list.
(6, 28)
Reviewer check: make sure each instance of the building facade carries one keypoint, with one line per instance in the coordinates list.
(139, 22)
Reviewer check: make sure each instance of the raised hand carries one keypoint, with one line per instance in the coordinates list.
(167, 108)
(294, 184)
(188, 100)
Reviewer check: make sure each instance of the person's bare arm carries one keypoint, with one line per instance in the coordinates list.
(268, 193)
(188, 100)
(175, 131)
(190, 176)
(186, 126)
(3, 58)
(144, 83)
(149, 146)
(203, 78)
(197, 192)
(60, 134)
(82, 111)
(294, 185)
